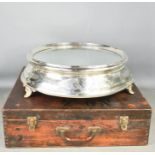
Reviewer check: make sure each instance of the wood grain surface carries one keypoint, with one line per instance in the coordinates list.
(78, 115)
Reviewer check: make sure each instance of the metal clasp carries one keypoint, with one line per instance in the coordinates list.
(124, 120)
(31, 122)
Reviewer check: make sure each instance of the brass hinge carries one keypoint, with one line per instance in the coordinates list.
(124, 120)
(31, 122)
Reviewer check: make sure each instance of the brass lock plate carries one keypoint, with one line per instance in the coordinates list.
(124, 121)
(31, 122)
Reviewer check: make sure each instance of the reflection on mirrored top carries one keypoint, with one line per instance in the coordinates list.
(77, 57)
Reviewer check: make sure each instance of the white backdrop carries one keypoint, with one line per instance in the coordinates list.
(128, 26)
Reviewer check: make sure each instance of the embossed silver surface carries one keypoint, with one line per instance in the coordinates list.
(76, 70)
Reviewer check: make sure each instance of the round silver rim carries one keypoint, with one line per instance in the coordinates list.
(69, 45)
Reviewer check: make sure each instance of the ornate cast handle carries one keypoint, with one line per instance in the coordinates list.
(92, 132)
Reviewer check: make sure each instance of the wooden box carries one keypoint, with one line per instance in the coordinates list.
(46, 121)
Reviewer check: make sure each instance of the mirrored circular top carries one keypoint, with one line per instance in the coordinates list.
(82, 56)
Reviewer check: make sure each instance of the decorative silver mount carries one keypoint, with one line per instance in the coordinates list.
(130, 89)
(28, 91)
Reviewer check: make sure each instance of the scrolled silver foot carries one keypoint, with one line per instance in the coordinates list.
(130, 89)
(28, 91)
